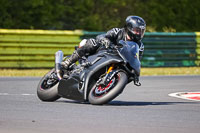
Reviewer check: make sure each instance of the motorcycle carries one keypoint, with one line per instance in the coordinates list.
(97, 79)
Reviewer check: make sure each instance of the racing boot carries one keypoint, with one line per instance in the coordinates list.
(72, 59)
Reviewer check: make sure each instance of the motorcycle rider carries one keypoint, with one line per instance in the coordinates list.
(133, 30)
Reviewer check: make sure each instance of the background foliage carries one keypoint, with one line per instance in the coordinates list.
(99, 15)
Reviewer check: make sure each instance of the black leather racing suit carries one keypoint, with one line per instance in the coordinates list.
(114, 35)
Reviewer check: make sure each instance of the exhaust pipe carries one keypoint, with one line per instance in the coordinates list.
(58, 60)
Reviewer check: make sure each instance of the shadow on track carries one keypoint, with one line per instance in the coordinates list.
(129, 103)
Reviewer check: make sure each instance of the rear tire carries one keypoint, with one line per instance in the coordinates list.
(48, 92)
(115, 89)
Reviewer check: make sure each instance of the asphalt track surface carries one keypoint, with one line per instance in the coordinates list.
(145, 109)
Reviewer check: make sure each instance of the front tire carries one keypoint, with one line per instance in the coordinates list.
(47, 89)
(99, 95)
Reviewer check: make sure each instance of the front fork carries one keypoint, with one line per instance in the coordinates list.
(108, 74)
(106, 79)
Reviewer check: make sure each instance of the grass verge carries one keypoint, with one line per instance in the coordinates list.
(171, 71)
(144, 72)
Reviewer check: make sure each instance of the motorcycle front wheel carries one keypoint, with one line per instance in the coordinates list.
(99, 95)
(47, 87)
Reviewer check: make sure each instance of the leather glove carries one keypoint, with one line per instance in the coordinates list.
(136, 81)
(105, 42)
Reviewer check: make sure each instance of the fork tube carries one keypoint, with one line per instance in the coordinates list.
(110, 68)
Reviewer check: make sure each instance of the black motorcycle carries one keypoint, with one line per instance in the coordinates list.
(98, 78)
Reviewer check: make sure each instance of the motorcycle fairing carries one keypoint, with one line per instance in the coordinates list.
(70, 88)
(130, 52)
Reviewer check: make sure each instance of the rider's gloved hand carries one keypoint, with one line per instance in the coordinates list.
(136, 81)
(105, 42)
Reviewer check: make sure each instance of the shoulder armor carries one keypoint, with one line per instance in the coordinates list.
(113, 32)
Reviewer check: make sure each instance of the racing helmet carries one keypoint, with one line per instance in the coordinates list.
(135, 28)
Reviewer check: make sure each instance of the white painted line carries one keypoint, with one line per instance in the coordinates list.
(4, 94)
(7, 94)
(27, 94)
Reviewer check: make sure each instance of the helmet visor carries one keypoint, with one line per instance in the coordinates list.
(136, 33)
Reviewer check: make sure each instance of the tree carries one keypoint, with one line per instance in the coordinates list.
(99, 15)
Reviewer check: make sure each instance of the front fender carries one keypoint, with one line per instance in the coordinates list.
(104, 61)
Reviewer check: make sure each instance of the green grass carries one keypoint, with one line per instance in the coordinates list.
(144, 71)
(23, 72)
(171, 71)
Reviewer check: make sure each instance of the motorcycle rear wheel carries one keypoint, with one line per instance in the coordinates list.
(99, 95)
(47, 89)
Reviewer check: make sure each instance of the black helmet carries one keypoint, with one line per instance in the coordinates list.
(135, 27)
